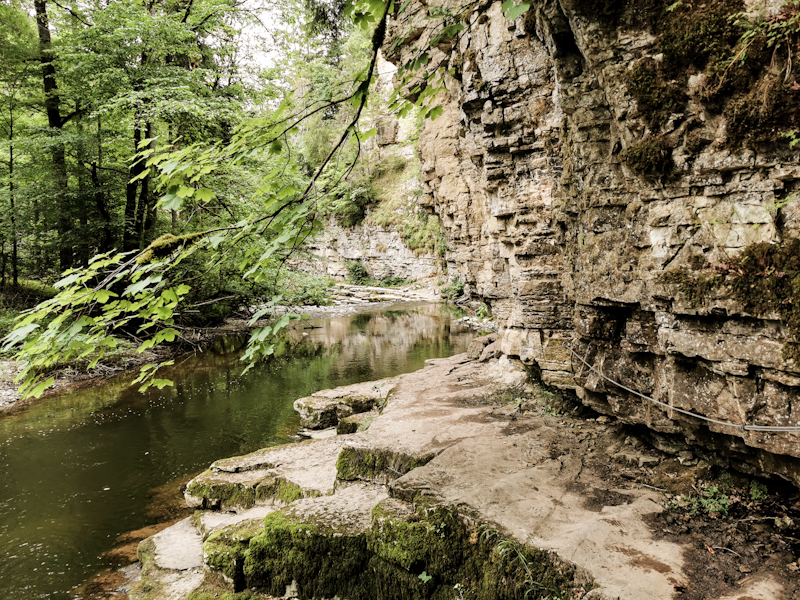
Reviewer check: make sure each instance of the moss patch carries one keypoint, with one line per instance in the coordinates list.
(218, 493)
(166, 244)
(406, 554)
(323, 564)
(656, 97)
(765, 280)
(651, 157)
(148, 587)
(221, 493)
(376, 465)
(224, 550)
(282, 490)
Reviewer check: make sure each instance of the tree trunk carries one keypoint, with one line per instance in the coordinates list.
(52, 105)
(12, 205)
(130, 240)
(106, 239)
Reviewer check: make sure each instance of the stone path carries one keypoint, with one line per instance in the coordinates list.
(450, 435)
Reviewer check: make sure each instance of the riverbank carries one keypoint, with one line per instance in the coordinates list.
(465, 480)
(345, 300)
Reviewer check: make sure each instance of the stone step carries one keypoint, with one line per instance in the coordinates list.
(275, 476)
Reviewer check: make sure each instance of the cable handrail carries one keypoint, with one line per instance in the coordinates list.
(744, 427)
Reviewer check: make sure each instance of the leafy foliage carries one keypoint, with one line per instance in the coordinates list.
(357, 273)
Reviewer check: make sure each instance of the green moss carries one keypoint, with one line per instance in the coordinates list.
(148, 587)
(346, 426)
(224, 550)
(698, 34)
(398, 209)
(281, 490)
(166, 244)
(432, 541)
(651, 157)
(386, 560)
(323, 564)
(694, 287)
(656, 97)
(376, 465)
(760, 115)
(218, 492)
(210, 591)
(437, 540)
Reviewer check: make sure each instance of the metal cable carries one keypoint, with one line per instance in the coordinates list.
(762, 428)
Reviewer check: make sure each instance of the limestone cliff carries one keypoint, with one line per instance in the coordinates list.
(611, 177)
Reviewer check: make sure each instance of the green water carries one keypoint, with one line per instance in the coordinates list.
(80, 469)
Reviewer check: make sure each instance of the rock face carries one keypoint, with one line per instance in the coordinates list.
(382, 252)
(582, 156)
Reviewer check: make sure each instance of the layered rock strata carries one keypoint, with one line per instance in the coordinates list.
(566, 197)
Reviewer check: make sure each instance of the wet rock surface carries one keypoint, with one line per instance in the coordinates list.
(462, 456)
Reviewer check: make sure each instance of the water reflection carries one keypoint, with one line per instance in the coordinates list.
(78, 470)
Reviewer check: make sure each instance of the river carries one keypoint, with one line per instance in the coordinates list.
(80, 469)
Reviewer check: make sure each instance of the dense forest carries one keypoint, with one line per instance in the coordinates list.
(166, 153)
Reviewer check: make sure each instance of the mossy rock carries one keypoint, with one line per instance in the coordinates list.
(354, 423)
(652, 157)
(378, 465)
(212, 490)
(148, 587)
(322, 560)
(407, 553)
(224, 551)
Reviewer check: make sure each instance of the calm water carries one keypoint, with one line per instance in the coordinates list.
(78, 470)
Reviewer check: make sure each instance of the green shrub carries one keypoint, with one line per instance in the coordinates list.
(452, 290)
(394, 281)
(357, 273)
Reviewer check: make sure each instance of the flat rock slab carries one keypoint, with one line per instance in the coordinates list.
(309, 465)
(210, 521)
(435, 408)
(327, 407)
(348, 510)
(179, 547)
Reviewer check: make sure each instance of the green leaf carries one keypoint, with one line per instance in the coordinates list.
(368, 134)
(204, 195)
(141, 175)
(67, 281)
(145, 142)
(515, 12)
(37, 391)
(434, 112)
(287, 190)
(185, 192)
(171, 202)
(103, 296)
(216, 239)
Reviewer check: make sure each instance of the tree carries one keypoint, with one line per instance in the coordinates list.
(16, 52)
